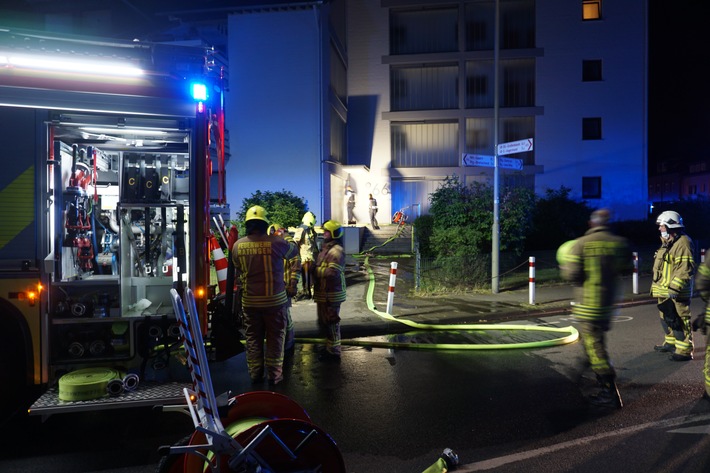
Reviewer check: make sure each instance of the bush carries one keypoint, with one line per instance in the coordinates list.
(557, 219)
(463, 218)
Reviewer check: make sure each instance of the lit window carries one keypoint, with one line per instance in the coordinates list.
(592, 187)
(591, 9)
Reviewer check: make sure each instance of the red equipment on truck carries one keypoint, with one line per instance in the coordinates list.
(108, 150)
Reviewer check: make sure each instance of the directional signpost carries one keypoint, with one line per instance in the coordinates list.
(484, 160)
(502, 163)
(513, 147)
(488, 161)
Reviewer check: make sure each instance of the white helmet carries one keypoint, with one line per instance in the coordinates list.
(670, 219)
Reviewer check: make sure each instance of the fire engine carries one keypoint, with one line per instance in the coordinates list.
(112, 172)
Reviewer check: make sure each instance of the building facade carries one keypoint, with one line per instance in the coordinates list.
(571, 76)
(393, 106)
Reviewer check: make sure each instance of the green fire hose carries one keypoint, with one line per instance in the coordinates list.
(566, 334)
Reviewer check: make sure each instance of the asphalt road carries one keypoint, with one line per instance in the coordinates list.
(395, 410)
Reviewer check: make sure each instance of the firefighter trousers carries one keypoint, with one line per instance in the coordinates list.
(329, 323)
(593, 334)
(681, 336)
(269, 324)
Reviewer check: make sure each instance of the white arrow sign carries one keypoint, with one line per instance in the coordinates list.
(489, 161)
(510, 163)
(513, 147)
(478, 160)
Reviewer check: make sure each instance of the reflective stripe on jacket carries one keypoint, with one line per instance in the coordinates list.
(259, 264)
(330, 274)
(673, 268)
(595, 262)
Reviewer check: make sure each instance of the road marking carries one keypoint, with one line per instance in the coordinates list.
(538, 452)
(616, 319)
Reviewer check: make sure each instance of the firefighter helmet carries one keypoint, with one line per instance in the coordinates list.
(563, 252)
(334, 227)
(670, 219)
(275, 229)
(309, 219)
(256, 212)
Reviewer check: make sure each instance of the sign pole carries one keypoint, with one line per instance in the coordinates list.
(495, 238)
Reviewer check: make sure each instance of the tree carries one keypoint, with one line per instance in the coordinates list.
(282, 207)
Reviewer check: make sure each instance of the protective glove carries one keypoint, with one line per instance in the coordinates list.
(672, 295)
(291, 290)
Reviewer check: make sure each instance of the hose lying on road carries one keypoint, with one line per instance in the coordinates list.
(567, 334)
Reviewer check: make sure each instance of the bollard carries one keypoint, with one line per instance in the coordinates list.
(531, 280)
(635, 283)
(390, 293)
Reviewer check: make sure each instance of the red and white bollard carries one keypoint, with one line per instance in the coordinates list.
(531, 280)
(390, 293)
(635, 280)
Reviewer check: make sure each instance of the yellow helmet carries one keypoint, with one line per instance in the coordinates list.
(256, 212)
(334, 227)
(309, 219)
(275, 229)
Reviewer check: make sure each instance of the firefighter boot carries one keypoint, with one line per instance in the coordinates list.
(608, 395)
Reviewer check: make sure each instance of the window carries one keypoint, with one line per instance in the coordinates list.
(518, 88)
(479, 136)
(338, 143)
(517, 83)
(479, 84)
(338, 75)
(427, 87)
(592, 128)
(591, 9)
(517, 24)
(591, 70)
(592, 187)
(428, 144)
(432, 30)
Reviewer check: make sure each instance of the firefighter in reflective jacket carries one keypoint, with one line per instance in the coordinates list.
(329, 287)
(259, 265)
(673, 270)
(594, 263)
(292, 274)
(702, 284)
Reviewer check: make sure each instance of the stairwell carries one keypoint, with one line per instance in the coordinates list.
(388, 240)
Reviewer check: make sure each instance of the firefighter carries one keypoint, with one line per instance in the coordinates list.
(307, 240)
(259, 266)
(373, 213)
(593, 264)
(702, 283)
(351, 206)
(329, 288)
(673, 270)
(292, 274)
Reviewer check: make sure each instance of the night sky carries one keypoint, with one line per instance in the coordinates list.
(679, 99)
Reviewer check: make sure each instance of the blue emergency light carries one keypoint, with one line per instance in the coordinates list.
(199, 91)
